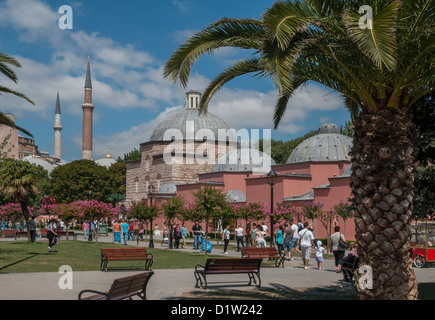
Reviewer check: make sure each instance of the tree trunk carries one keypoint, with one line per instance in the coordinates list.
(382, 181)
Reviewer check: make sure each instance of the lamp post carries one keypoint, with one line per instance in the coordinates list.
(151, 190)
(271, 180)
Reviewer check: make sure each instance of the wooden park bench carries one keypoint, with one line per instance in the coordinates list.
(20, 234)
(9, 233)
(228, 266)
(123, 288)
(64, 233)
(125, 254)
(264, 253)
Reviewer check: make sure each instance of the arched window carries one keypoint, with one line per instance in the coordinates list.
(136, 185)
(147, 183)
(147, 163)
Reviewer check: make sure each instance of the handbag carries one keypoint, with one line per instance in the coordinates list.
(341, 244)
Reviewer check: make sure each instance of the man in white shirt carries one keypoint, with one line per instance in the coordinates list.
(306, 241)
(294, 240)
(264, 227)
(239, 237)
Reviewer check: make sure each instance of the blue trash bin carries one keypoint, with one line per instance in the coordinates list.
(209, 246)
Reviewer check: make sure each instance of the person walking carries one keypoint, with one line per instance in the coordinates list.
(294, 240)
(184, 234)
(319, 254)
(196, 229)
(177, 236)
(51, 235)
(336, 249)
(32, 229)
(165, 233)
(279, 236)
(117, 231)
(287, 239)
(124, 228)
(130, 231)
(85, 228)
(239, 237)
(306, 242)
(260, 236)
(226, 238)
(253, 235)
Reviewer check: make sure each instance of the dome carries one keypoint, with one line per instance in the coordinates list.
(107, 161)
(235, 196)
(327, 145)
(168, 188)
(178, 120)
(243, 160)
(38, 161)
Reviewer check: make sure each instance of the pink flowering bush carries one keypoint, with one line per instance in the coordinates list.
(10, 211)
(94, 209)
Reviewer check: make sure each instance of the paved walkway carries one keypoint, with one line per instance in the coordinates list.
(174, 284)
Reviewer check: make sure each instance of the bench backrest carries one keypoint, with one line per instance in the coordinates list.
(232, 264)
(123, 252)
(129, 285)
(259, 251)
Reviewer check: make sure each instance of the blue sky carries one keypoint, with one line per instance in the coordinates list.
(128, 43)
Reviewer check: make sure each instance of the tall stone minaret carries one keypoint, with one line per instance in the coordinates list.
(57, 130)
(88, 108)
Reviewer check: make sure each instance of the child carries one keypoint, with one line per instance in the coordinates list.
(319, 254)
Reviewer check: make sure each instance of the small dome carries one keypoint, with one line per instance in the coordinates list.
(41, 162)
(327, 145)
(244, 160)
(235, 196)
(182, 120)
(107, 161)
(168, 188)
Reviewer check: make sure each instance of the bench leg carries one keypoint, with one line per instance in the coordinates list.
(148, 264)
(255, 278)
(103, 265)
(199, 277)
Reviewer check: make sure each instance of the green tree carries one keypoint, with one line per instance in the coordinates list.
(6, 64)
(81, 180)
(381, 67)
(119, 177)
(172, 208)
(132, 155)
(17, 184)
(214, 204)
(144, 213)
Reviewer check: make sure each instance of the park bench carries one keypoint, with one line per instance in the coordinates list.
(122, 288)
(20, 234)
(228, 266)
(264, 253)
(9, 233)
(125, 254)
(64, 233)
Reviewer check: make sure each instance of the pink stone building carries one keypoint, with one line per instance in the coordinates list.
(317, 170)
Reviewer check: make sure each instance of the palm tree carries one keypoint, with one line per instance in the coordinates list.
(380, 71)
(17, 183)
(5, 62)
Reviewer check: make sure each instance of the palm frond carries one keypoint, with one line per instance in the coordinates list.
(4, 120)
(242, 67)
(241, 33)
(378, 40)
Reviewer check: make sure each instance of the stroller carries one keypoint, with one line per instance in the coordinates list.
(350, 263)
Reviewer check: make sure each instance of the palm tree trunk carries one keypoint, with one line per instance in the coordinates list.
(26, 216)
(383, 173)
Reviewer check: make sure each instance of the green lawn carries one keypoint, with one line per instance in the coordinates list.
(21, 256)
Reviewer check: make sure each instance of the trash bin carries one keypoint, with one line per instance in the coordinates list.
(103, 229)
(209, 246)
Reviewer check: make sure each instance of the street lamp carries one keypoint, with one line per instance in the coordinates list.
(271, 180)
(151, 190)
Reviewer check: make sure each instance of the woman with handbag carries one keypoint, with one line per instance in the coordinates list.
(339, 247)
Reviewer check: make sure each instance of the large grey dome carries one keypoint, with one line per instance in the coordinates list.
(243, 160)
(327, 145)
(191, 113)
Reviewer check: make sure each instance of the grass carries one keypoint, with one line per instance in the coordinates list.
(23, 257)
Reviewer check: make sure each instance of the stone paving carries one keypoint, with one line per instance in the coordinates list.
(175, 284)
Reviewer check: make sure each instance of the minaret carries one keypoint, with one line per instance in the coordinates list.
(88, 108)
(57, 130)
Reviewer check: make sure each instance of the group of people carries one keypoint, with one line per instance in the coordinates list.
(124, 228)
(174, 234)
